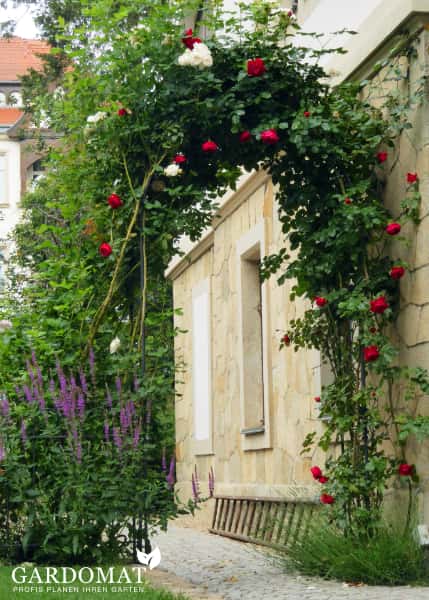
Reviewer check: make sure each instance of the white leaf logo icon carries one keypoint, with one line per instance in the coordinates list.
(152, 560)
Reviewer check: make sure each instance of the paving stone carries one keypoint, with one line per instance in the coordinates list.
(234, 570)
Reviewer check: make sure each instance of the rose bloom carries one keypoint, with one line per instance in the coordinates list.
(172, 170)
(348, 201)
(323, 479)
(189, 40)
(307, 113)
(269, 136)
(371, 353)
(412, 177)
(245, 136)
(382, 157)
(317, 399)
(114, 201)
(397, 272)
(320, 301)
(327, 499)
(122, 112)
(393, 228)
(316, 472)
(255, 67)
(200, 56)
(209, 146)
(286, 340)
(379, 305)
(179, 159)
(114, 345)
(105, 249)
(405, 469)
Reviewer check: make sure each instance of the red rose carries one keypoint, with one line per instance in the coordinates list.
(122, 112)
(379, 305)
(307, 113)
(382, 157)
(114, 201)
(255, 67)
(393, 228)
(412, 177)
(397, 272)
(286, 340)
(370, 353)
(320, 301)
(269, 136)
(348, 201)
(317, 399)
(105, 249)
(246, 136)
(316, 472)
(327, 499)
(405, 469)
(189, 40)
(179, 159)
(373, 329)
(323, 479)
(209, 146)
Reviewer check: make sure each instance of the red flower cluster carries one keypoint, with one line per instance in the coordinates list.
(327, 499)
(371, 353)
(179, 159)
(379, 305)
(245, 136)
(105, 249)
(397, 272)
(320, 301)
(114, 201)
(189, 40)
(393, 228)
(286, 340)
(317, 398)
(405, 470)
(209, 146)
(269, 137)
(318, 475)
(255, 67)
(307, 114)
(382, 157)
(412, 177)
(122, 112)
(348, 201)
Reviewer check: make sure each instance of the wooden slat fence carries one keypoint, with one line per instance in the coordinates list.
(274, 522)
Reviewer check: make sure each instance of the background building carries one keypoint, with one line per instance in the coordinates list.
(243, 407)
(18, 162)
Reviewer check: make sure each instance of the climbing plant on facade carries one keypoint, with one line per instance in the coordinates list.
(158, 121)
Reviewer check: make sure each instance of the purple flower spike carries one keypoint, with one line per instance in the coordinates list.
(170, 477)
(106, 432)
(5, 408)
(83, 382)
(136, 437)
(164, 461)
(123, 418)
(2, 452)
(28, 394)
(118, 386)
(81, 405)
(109, 400)
(117, 438)
(42, 403)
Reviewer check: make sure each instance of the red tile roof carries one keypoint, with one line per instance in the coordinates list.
(17, 55)
(9, 116)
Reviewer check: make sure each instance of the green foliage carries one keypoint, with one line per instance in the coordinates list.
(388, 557)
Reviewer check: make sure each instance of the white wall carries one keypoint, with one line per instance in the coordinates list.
(10, 214)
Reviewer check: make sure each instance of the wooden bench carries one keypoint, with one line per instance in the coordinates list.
(274, 522)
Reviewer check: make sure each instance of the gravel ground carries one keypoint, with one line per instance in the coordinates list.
(234, 570)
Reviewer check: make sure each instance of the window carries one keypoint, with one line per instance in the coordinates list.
(35, 172)
(3, 180)
(201, 368)
(322, 378)
(2, 99)
(15, 99)
(253, 351)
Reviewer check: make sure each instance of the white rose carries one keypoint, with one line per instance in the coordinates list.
(202, 55)
(172, 170)
(115, 345)
(185, 59)
(5, 325)
(99, 116)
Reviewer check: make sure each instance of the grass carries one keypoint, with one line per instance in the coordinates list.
(9, 590)
(390, 557)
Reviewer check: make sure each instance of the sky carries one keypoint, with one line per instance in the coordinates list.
(25, 27)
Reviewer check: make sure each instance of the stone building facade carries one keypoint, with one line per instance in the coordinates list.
(244, 407)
